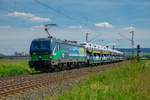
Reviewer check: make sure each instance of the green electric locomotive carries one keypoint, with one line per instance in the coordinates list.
(51, 53)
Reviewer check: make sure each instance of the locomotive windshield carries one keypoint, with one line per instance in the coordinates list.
(40, 45)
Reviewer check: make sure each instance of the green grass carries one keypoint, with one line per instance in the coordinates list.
(14, 67)
(128, 82)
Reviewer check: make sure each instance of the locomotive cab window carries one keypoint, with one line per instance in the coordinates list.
(40, 45)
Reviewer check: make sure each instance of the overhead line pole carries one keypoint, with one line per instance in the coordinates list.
(87, 34)
(132, 42)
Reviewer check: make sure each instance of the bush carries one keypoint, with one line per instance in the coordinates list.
(14, 67)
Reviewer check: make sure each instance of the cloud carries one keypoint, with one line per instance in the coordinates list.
(28, 16)
(129, 28)
(39, 27)
(104, 25)
(75, 27)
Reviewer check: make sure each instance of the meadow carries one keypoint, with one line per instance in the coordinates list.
(127, 82)
(13, 67)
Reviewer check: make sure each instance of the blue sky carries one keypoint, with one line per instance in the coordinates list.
(23, 20)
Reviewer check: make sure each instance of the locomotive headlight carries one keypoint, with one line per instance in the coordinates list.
(50, 56)
(40, 56)
(34, 53)
(54, 54)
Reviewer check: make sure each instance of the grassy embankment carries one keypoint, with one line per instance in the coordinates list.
(128, 82)
(14, 67)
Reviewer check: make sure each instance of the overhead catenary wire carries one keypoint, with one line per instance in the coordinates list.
(58, 11)
(65, 15)
(52, 9)
(124, 36)
(94, 38)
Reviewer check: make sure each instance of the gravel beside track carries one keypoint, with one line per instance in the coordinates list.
(21, 85)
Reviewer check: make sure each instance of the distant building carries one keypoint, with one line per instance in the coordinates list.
(20, 54)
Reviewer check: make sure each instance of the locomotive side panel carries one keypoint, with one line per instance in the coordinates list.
(64, 53)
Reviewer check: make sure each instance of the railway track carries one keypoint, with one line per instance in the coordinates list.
(14, 85)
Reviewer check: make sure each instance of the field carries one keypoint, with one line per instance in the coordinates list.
(14, 67)
(127, 82)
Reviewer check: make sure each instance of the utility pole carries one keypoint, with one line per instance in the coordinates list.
(132, 43)
(87, 34)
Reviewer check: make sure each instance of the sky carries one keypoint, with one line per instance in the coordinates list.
(109, 22)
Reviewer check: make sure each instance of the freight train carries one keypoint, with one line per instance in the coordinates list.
(50, 53)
